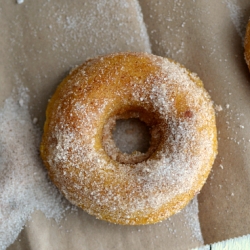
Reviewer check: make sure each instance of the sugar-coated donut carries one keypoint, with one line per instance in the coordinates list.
(139, 188)
(247, 45)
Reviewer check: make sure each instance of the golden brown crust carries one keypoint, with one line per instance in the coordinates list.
(125, 189)
(247, 45)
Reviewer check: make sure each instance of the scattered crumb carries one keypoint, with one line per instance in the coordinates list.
(218, 108)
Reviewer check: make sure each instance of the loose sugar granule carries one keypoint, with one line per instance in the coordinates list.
(20, 1)
(23, 182)
(192, 211)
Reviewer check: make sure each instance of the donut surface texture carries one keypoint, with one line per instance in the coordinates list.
(139, 188)
(247, 45)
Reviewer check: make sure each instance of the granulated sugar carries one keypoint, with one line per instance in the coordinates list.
(192, 211)
(23, 182)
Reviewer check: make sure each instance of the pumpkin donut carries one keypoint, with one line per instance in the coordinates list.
(142, 187)
(247, 45)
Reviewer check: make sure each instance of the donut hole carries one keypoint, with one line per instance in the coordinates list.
(131, 137)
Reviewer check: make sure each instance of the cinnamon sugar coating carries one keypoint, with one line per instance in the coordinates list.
(139, 188)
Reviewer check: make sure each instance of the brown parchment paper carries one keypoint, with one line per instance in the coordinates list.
(40, 41)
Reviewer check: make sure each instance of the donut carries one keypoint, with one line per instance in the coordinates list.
(247, 45)
(80, 153)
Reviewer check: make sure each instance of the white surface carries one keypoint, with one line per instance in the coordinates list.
(241, 243)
